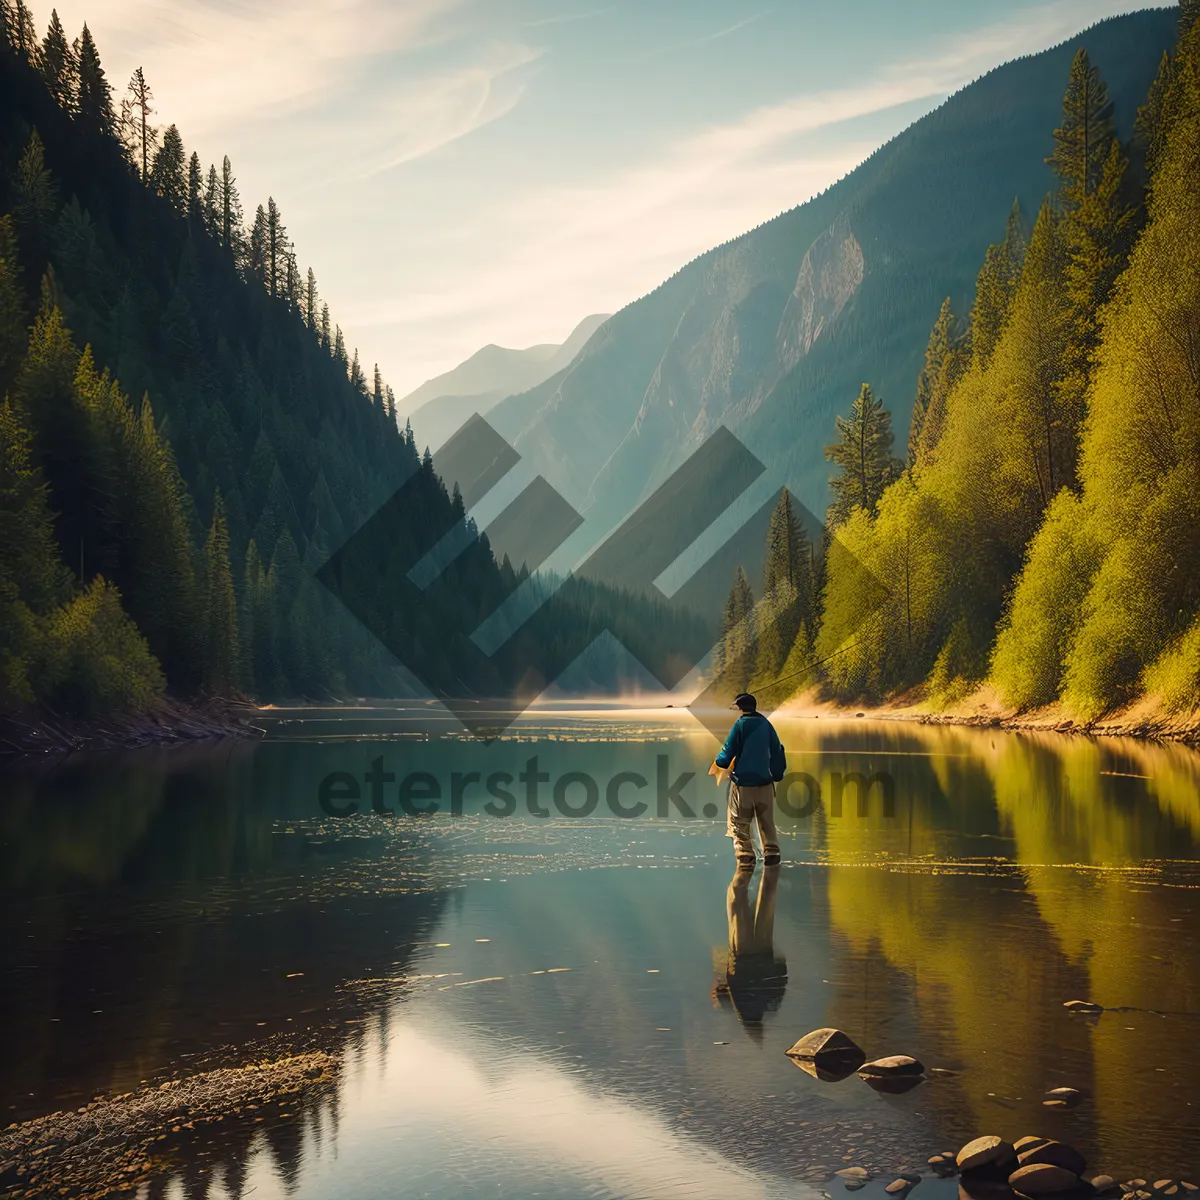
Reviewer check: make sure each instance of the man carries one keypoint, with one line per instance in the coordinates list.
(755, 760)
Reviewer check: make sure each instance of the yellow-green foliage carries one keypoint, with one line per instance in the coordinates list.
(1037, 632)
(1175, 675)
(884, 594)
(1141, 454)
(1096, 516)
(94, 659)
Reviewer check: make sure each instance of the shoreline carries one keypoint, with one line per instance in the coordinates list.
(173, 722)
(1144, 720)
(116, 1143)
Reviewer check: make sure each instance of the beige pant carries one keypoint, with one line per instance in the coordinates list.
(747, 804)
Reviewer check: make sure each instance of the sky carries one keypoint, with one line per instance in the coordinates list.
(465, 172)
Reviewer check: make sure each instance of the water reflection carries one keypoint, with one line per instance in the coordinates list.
(171, 910)
(754, 978)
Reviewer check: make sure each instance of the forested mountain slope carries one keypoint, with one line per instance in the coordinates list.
(772, 334)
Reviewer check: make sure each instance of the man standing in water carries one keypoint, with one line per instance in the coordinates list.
(756, 761)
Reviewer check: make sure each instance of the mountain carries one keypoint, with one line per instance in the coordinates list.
(772, 334)
(440, 405)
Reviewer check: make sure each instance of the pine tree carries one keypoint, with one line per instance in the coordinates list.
(996, 286)
(1082, 142)
(943, 364)
(257, 258)
(1150, 127)
(30, 567)
(1096, 227)
(34, 191)
(787, 590)
(275, 250)
(325, 328)
(19, 29)
(231, 212)
(358, 381)
(377, 390)
(735, 656)
(139, 137)
(863, 454)
(195, 183)
(389, 404)
(12, 308)
(94, 99)
(212, 206)
(310, 300)
(168, 174)
(221, 647)
(58, 66)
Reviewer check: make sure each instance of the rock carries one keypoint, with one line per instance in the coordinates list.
(1166, 1187)
(897, 1064)
(1082, 1006)
(1062, 1097)
(1054, 1154)
(942, 1164)
(1104, 1183)
(855, 1185)
(1029, 1143)
(893, 1085)
(898, 1187)
(988, 1151)
(854, 1173)
(1042, 1179)
(827, 1054)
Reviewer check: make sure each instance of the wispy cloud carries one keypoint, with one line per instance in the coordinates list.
(215, 64)
(379, 125)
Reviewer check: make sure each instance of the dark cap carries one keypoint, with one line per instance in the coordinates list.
(745, 702)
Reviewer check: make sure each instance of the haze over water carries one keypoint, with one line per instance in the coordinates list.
(551, 1006)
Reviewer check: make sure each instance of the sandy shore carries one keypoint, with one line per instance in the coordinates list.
(1145, 719)
(111, 1143)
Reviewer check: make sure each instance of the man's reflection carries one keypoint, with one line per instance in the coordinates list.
(754, 977)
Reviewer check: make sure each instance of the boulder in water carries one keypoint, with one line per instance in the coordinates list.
(1042, 1179)
(827, 1054)
(985, 1153)
(1052, 1153)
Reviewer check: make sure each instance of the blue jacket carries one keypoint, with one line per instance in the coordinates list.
(754, 747)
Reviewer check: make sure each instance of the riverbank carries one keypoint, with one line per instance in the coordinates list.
(1143, 719)
(114, 1144)
(171, 722)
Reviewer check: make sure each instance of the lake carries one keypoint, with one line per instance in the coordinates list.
(540, 989)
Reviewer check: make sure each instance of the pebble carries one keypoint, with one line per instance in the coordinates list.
(1104, 1183)
(1082, 1006)
(1062, 1097)
(898, 1186)
(854, 1173)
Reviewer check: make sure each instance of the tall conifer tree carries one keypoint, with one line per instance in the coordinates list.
(863, 455)
(221, 646)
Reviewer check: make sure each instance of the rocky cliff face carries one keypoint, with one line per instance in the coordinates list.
(773, 334)
(830, 274)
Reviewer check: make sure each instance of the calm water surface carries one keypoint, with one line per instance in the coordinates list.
(591, 1006)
